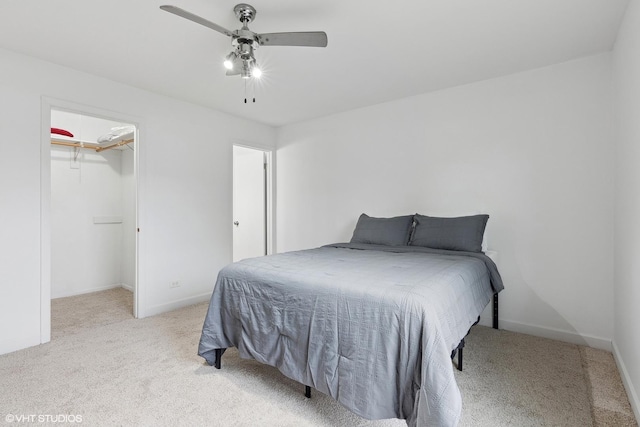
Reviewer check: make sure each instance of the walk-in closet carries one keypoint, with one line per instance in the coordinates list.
(93, 220)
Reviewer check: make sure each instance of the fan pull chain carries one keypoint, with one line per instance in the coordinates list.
(245, 92)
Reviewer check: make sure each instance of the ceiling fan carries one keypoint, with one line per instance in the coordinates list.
(244, 41)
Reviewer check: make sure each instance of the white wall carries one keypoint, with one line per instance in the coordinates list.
(533, 150)
(85, 257)
(185, 188)
(626, 66)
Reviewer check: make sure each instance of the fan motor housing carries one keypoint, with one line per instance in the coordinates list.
(245, 50)
(245, 12)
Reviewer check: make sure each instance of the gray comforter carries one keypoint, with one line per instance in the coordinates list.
(371, 326)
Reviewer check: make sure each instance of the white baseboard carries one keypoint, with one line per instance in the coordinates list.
(556, 334)
(174, 305)
(626, 380)
(85, 291)
(127, 287)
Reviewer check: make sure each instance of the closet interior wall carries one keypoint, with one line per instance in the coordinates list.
(92, 211)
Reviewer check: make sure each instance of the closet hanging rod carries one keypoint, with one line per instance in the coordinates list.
(91, 145)
(114, 145)
(77, 144)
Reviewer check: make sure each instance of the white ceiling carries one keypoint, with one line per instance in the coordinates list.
(378, 50)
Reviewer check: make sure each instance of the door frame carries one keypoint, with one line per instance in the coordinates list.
(270, 191)
(47, 104)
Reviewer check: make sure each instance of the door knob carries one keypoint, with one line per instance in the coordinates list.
(236, 223)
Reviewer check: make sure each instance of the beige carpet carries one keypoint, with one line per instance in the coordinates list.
(74, 314)
(145, 372)
(610, 405)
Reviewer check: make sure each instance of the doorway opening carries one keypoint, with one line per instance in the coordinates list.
(93, 221)
(251, 202)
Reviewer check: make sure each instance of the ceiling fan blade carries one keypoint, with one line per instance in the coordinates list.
(304, 38)
(195, 18)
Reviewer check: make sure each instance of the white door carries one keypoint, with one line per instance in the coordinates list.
(249, 203)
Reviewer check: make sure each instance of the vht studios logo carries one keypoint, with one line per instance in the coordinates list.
(43, 418)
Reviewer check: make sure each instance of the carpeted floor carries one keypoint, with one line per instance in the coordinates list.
(87, 311)
(123, 371)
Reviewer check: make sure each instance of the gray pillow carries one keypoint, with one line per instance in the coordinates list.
(383, 231)
(457, 234)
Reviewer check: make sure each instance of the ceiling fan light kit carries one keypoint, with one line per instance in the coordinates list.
(241, 60)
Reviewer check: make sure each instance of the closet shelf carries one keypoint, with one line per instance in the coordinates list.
(90, 145)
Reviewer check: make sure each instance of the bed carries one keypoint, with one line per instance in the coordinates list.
(371, 324)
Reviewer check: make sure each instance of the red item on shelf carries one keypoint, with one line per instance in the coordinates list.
(61, 132)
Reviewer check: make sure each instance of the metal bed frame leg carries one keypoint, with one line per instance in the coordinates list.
(460, 348)
(218, 358)
(495, 311)
(307, 392)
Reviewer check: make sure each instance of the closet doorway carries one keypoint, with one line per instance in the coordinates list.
(93, 221)
(251, 202)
